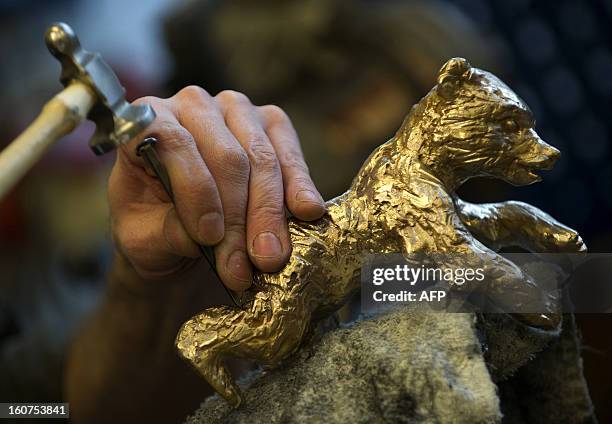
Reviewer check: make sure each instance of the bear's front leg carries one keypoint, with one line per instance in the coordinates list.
(513, 223)
(504, 283)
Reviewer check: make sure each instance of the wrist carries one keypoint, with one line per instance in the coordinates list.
(124, 276)
(195, 285)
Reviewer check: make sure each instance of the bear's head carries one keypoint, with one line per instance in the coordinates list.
(472, 124)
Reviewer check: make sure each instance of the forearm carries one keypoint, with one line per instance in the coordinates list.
(122, 365)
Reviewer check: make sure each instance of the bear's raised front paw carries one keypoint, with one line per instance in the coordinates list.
(569, 241)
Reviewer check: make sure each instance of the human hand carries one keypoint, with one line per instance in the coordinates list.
(233, 167)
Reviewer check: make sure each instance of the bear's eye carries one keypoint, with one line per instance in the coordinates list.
(510, 125)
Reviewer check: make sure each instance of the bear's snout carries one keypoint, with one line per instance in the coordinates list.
(540, 155)
(547, 156)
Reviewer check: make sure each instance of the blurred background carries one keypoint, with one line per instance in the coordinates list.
(345, 71)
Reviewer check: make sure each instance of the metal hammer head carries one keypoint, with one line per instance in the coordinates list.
(117, 121)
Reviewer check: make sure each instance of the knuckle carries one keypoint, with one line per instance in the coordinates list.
(173, 136)
(193, 92)
(235, 226)
(193, 98)
(232, 97)
(295, 161)
(151, 100)
(195, 191)
(274, 114)
(268, 211)
(234, 160)
(261, 153)
(302, 183)
(235, 208)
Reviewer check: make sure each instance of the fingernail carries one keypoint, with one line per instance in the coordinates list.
(267, 245)
(308, 196)
(238, 267)
(210, 228)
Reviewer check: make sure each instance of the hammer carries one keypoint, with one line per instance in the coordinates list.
(92, 91)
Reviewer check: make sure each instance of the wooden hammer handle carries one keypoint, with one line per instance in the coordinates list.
(59, 116)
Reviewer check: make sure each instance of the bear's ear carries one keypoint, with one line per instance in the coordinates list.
(452, 74)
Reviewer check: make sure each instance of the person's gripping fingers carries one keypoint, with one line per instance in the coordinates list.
(229, 165)
(195, 192)
(268, 240)
(302, 197)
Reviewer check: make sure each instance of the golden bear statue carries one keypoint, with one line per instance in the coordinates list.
(402, 201)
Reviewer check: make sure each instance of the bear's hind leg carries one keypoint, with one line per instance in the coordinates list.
(270, 330)
(203, 341)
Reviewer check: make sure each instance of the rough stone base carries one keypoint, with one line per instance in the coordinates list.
(399, 367)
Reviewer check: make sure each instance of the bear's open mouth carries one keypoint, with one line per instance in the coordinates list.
(544, 165)
(533, 175)
(534, 168)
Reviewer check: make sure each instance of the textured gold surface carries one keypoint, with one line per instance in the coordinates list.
(403, 200)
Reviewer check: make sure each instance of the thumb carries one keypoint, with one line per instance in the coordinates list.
(146, 230)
